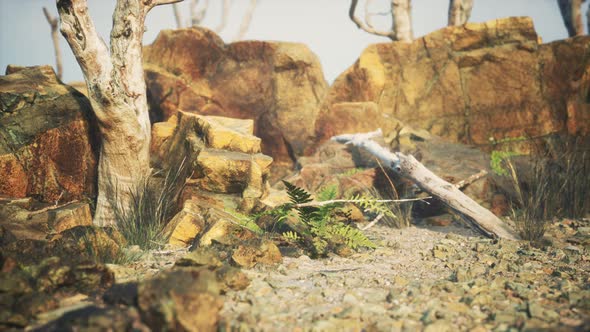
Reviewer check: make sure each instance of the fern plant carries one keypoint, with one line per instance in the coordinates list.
(324, 232)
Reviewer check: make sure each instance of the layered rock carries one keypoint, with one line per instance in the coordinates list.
(278, 85)
(476, 84)
(227, 170)
(47, 149)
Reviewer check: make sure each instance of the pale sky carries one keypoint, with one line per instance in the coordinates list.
(323, 25)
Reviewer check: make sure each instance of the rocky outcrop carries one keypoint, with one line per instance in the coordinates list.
(226, 167)
(47, 149)
(278, 85)
(21, 222)
(477, 84)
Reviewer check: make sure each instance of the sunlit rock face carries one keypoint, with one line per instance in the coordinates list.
(279, 85)
(47, 146)
(475, 84)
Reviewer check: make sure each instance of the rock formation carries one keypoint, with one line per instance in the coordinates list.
(47, 149)
(278, 85)
(474, 84)
(227, 169)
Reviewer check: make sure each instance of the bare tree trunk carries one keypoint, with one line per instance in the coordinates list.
(177, 16)
(246, 20)
(401, 29)
(571, 12)
(117, 92)
(459, 11)
(55, 38)
(407, 166)
(401, 11)
(197, 16)
(588, 19)
(224, 16)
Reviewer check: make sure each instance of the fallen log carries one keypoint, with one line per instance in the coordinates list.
(407, 166)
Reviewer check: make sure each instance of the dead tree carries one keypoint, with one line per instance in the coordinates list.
(197, 13)
(401, 28)
(246, 20)
(459, 11)
(407, 166)
(571, 12)
(55, 38)
(177, 16)
(117, 93)
(224, 15)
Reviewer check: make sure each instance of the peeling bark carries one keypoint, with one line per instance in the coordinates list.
(459, 11)
(53, 23)
(407, 166)
(117, 93)
(401, 13)
(571, 12)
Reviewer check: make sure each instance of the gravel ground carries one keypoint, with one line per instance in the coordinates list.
(435, 279)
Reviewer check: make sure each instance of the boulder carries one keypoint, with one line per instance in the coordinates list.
(227, 168)
(479, 83)
(48, 148)
(279, 85)
(257, 251)
(185, 225)
(23, 223)
(181, 300)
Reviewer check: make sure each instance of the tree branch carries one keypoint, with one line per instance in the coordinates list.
(53, 23)
(246, 20)
(197, 16)
(224, 16)
(177, 16)
(149, 4)
(459, 12)
(89, 49)
(363, 26)
(407, 166)
(334, 201)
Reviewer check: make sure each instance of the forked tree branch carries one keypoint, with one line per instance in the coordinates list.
(407, 166)
(367, 27)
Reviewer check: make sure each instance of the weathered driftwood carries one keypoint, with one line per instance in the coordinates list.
(407, 166)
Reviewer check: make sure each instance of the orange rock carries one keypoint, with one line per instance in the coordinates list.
(279, 85)
(468, 84)
(47, 146)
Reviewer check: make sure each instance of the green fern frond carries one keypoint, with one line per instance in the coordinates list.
(327, 193)
(300, 196)
(291, 236)
(246, 221)
(372, 205)
(352, 237)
